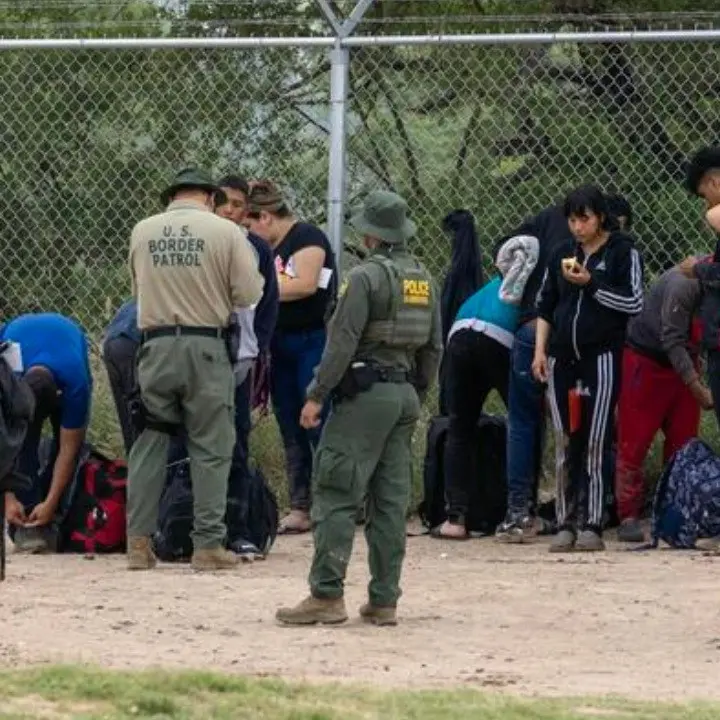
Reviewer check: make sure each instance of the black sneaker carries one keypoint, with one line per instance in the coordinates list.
(246, 551)
(513, 529)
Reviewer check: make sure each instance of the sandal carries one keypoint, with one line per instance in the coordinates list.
(438, 534)
(296, 522)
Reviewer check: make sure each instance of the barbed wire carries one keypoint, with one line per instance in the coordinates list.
(249, 16)
(398, 25)
(449, 9)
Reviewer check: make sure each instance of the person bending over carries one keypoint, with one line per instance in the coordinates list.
(56, 366)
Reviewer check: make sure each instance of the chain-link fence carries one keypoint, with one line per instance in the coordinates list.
(506, 130)
(89, 138)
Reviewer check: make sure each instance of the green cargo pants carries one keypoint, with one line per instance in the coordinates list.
(364, 450)
(187, 381)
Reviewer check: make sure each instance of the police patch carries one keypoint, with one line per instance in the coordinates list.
(343, 287)
(416, 292)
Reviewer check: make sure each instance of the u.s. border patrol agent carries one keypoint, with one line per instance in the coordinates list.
(190, 269)
(383, 349)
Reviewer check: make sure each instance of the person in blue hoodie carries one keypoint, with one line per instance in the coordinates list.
(477, 358)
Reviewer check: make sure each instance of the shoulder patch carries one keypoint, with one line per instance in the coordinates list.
(343, 287)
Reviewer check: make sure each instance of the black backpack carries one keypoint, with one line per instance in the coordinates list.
(488, 496)
(252, 514)
(172, 541)
(17, 405)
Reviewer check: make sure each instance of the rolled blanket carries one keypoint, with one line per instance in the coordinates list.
(516, 260)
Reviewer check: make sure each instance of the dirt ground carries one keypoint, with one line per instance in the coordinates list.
(512, 618)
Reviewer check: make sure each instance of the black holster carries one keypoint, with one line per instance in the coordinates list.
(358, 378)
(232, 339)
(141, 419)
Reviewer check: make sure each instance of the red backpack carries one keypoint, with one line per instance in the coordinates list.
(97, 521)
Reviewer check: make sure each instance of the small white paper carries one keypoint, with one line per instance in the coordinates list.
(323, 280)
(13, 357)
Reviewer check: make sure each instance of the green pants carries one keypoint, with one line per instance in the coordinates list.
(188, 381)
(364, 451)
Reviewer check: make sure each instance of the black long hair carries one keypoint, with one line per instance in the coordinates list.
(588, 198)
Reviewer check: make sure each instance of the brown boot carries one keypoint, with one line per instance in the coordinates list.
(312, 610)
(139, 554)
(216, 558)
(379, 615)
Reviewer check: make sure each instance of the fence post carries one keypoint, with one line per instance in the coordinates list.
(339, 76)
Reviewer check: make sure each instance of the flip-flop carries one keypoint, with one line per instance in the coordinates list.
(291, 530)
(437, 534)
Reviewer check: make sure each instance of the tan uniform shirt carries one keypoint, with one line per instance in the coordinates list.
(191, 267)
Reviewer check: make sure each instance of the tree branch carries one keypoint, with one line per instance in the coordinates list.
(376, 76)
(467, 137)
(381, 169)
(381, 172)
(406, 142)
(322, 69)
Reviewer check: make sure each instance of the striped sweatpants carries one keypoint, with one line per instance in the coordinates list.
(583, 469)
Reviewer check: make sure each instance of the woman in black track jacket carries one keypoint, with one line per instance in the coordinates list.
(592, 287)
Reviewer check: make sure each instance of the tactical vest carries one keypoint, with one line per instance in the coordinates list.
(408, 321)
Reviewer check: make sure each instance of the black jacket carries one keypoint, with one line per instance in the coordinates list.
(466, 275)
(709, 276)
(589, 320)
(464, 278)
(550, 227)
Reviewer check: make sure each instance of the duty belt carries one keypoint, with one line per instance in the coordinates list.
(188, 330)
(391, 375)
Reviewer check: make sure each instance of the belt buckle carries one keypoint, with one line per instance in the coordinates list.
(178, 331)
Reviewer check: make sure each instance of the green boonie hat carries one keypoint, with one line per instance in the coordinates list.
(384, 216)
(189, 178)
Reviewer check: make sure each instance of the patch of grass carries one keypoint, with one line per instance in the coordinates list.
(70, 693)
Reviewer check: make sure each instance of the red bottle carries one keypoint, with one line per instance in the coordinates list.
(575, 407)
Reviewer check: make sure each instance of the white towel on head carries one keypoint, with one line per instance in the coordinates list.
(516, 260)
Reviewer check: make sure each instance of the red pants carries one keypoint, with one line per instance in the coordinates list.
(652, 398)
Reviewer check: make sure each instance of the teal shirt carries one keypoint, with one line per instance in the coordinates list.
(486, 312)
